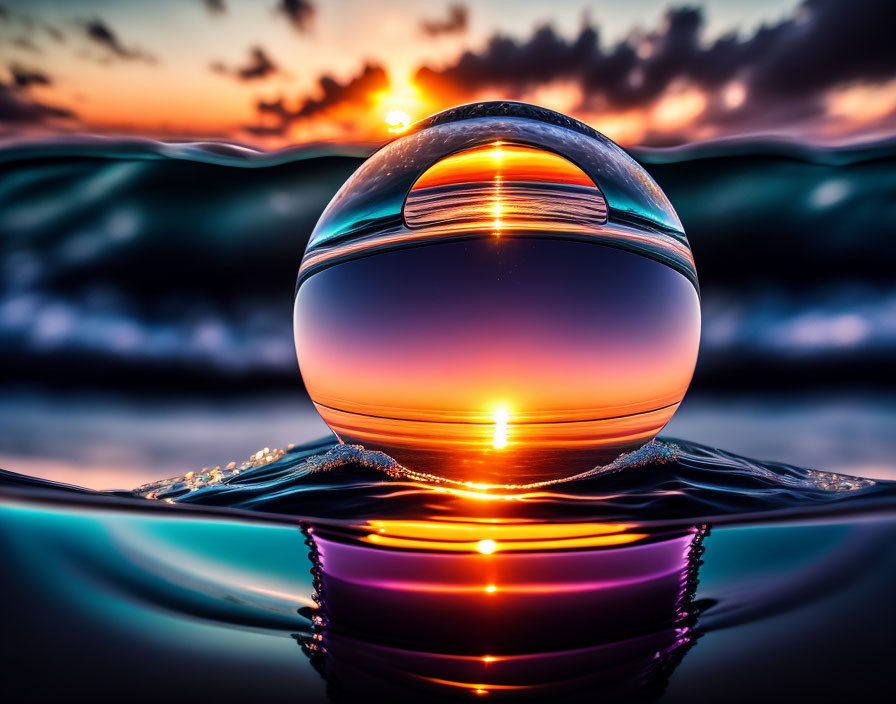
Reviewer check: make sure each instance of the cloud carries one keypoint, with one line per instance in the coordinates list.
(298, 12)
(457, 22)
(259, 65)
(102, 35)
(15, 109)
(275, 108)
(355, 93)
(215, 7)
(782, 70)
(24, 78)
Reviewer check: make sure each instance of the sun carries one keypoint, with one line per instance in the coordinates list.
(397, 120)
(502, 415)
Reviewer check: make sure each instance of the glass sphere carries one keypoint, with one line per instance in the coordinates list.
(500, 296)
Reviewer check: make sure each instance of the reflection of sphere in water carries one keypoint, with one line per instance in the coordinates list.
(413, 611)
(502, 295)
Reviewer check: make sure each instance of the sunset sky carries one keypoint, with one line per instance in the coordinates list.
(277, 72)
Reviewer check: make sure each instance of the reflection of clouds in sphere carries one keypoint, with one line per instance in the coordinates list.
(500, 295)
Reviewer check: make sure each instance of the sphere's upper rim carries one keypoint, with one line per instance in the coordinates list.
(505, 108)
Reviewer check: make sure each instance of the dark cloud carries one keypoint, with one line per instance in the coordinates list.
(16, 109)
(515, 67)
(356, 92)
(275, 108)
(457, 22)
(102, 35)
(24, 78)
(298, 12)
(215, 7)
(827, 43)
(4, 13)
(259, 65)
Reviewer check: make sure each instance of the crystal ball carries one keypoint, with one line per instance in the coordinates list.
(499, 296)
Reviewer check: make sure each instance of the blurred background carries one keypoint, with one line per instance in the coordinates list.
(162, 165)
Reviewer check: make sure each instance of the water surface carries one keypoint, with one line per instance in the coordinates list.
(321, 572)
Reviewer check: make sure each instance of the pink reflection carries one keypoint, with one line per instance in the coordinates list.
(513, 621)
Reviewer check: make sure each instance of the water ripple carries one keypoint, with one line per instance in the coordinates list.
(662, 481)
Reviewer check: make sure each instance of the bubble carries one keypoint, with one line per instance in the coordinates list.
(500, 295)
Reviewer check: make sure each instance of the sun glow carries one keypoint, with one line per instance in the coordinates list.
(502, 415)
(486, 547)
(397, 120)
(498, 208)
(499, 205)
(401, 104)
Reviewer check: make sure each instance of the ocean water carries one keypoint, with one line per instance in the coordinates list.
(145, 324)
(324, 572)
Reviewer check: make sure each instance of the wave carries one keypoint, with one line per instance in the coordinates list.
(664, 481)
(224, 153)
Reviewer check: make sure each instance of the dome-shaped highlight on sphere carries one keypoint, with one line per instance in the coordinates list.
(499, 296)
